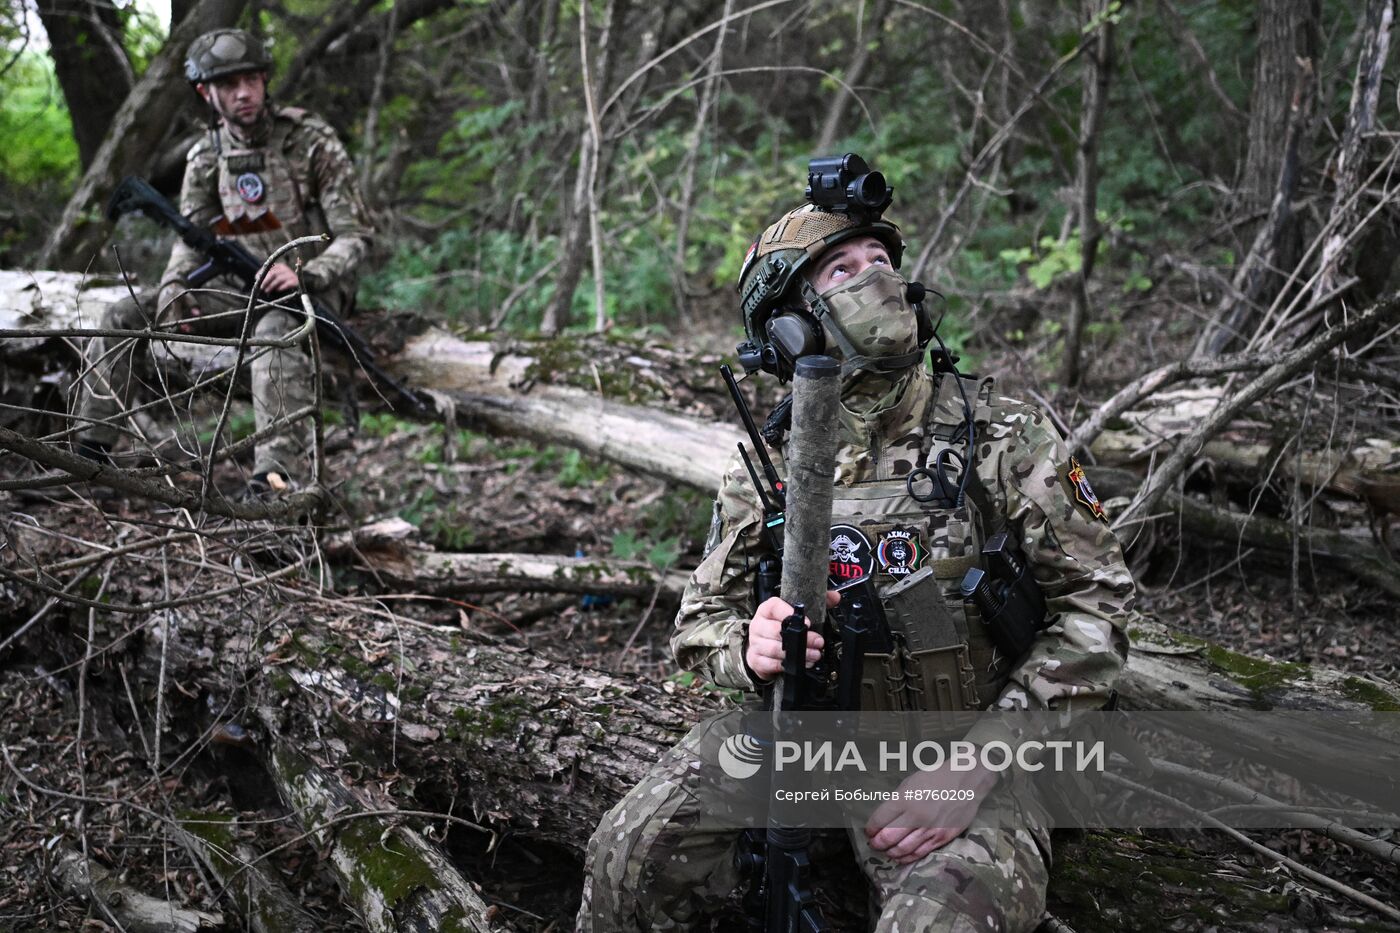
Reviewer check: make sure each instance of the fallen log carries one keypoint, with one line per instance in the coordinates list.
(502, 394)
(133, 910)
(263, 900)
(387, 550)
(510, 393)
(1288, 364)
(394, 878)
(1368, 468)
(1360, 556)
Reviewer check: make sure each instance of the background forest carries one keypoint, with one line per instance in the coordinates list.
(485, 162)
(1173, 224)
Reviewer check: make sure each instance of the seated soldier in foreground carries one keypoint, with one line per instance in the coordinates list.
(822, 281)
(264, 175)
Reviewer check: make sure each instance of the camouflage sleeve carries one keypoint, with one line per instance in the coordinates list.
(344, 209)
(199, 201)
(1089, 594)
(712, 625)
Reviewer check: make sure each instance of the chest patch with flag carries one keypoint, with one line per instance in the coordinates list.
(1083, 492)
(900, 553)
(250, 187)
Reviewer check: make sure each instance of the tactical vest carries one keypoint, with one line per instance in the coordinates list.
(267, 197)
(917, 553)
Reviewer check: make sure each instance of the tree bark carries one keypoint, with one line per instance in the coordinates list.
(497, 393)
(1287, 32)
(1351, 154)
(262, 898)
(135, 911)
(547, 748)
(395, 879)
(1098, 68)
(1280, 113)
(85, 42)
(386, 550)
(133, 136)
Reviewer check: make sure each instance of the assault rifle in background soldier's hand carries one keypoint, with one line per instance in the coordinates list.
(226, 257)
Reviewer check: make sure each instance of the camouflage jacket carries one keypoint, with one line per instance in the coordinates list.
(295, 180)
(1034, 489)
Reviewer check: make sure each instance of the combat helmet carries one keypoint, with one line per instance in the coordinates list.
(846, 201)
(224, 52)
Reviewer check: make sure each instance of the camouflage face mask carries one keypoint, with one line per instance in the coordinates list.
(871, 320)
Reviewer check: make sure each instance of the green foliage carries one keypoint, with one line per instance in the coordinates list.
(32, 110)
(241, 423)
(464, 277)
(626, 545)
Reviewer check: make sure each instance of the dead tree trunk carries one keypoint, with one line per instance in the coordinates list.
(85, 43)
(135, 131)
(496, 393)
(1280, 113)
(1098, 67)
(547, 747)
(1351, 155)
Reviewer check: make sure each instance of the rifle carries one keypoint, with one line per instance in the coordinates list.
(227, 257)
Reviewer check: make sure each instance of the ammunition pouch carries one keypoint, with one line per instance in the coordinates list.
(929, 664)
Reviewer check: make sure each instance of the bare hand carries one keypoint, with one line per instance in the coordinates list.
(192, 311)
(907, 830)
(765, 652)
(280, 278)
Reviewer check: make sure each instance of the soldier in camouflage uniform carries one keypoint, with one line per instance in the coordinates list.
(264, 175)
(987, 867)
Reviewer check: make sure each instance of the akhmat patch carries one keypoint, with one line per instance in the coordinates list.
(900, 552)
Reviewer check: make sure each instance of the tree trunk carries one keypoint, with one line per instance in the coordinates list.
(1347, 170)
(386, 549)
(855, 71)
(1287, 31)
(85, 42)
(498, 393)
(547, 747)
(133, 910)
(395, 879)
(1280, 113)
(1098, 67)
(132, 138)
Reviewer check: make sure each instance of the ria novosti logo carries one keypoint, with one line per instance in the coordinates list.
(740, 756)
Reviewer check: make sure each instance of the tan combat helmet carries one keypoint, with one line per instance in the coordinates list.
(224, 52)
(771, 277)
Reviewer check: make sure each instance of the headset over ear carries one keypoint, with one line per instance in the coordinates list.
(916, 294)
(797, 332)
(793, 334)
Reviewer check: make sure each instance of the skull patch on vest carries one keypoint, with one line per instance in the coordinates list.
(851, 555)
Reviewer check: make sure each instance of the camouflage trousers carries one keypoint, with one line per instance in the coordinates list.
(651, 867)
(281, 377)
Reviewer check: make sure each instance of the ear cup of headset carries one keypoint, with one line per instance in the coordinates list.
(916, 294)
(794, 334)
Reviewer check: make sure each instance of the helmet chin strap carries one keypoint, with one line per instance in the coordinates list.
(851, 360)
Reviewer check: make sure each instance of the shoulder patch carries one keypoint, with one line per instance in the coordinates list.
(1083, 492)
